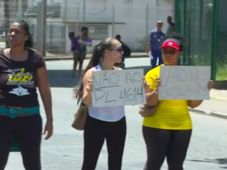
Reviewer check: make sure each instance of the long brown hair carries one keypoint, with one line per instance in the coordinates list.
(96, 59)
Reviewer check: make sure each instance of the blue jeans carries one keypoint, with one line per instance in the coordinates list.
(157, 56)
(27, 131)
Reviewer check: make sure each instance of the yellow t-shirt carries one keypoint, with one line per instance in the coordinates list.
(170, 114)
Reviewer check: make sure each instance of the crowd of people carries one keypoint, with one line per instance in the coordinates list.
(166, 131)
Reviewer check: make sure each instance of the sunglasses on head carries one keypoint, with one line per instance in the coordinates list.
(169, 51)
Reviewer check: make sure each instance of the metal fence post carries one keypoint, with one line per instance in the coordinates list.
(214, 40)
(41, 28)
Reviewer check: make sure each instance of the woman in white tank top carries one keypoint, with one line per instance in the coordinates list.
(103, 123)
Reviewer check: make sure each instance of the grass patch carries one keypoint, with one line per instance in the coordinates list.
(221, 73)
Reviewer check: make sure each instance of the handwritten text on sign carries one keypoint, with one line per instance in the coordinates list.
(184, 82)
(118, 87)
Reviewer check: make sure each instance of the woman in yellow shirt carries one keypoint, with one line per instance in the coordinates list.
(168, 131)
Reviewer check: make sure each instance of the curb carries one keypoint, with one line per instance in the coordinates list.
(218, 94)
(219, 98)
(214, 114)
(57, 58)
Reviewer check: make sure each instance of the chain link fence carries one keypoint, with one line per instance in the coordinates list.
(51, 21)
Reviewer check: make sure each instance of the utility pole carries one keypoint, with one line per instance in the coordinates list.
(41, 27)
(113, 19)
(84, 11)
(19, 9)
(6, 15)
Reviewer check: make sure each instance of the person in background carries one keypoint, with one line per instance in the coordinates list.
(156, 39)
(75, 50)
(22, 70)
(103, 123)
(171, 26)
(168, 131)
(79, 48)
(84, 41)
(126, 51)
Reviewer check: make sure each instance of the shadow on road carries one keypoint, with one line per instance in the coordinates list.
(221, 161)
(64, 78)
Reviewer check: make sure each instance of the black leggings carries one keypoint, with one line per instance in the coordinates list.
(172, 144)
(27, 131)
(95, 133)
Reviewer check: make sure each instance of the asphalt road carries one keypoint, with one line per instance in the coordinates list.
(64, 151)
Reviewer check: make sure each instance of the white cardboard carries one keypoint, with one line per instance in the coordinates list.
(184, 82)
(118, 87)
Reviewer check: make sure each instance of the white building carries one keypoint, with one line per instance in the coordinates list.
(133, 19)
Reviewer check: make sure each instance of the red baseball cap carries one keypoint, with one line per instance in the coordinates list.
(171, 43)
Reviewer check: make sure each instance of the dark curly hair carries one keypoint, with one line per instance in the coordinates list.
(25, 26)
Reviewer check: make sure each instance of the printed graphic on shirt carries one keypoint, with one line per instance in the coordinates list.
(20, 77)
(20, 91)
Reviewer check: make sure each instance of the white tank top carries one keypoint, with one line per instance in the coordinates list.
(108, 114)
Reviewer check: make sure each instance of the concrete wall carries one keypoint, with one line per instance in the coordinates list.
(133, 19)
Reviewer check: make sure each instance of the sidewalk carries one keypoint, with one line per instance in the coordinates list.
(216, 106)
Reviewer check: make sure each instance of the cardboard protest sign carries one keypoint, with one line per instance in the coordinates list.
(118, 87)
(184, 82)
